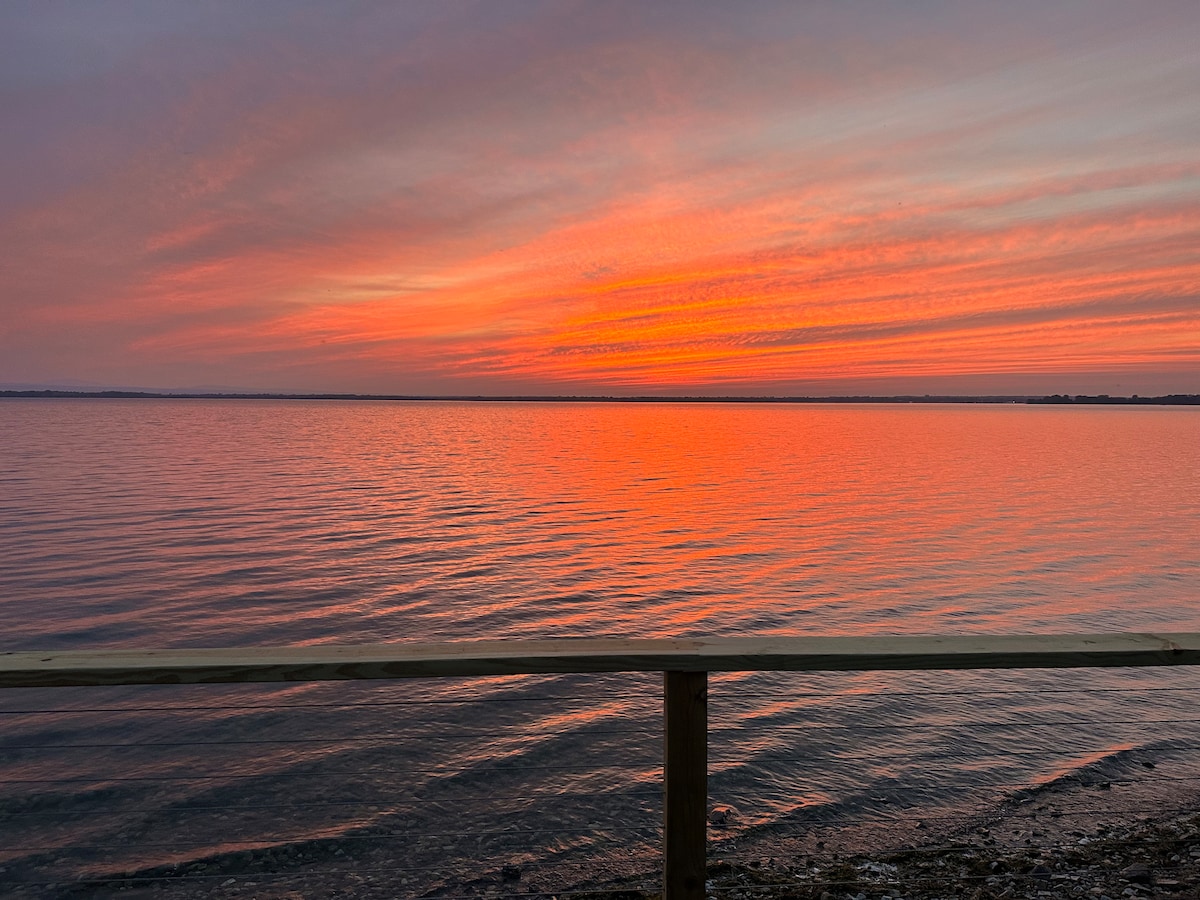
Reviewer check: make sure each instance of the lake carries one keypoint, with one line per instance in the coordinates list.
(188, 523)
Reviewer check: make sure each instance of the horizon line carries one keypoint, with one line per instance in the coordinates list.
(1090, 399)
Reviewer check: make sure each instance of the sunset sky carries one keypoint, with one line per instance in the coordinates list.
(601, 197)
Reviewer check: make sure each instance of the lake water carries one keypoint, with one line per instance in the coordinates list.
(147, 523)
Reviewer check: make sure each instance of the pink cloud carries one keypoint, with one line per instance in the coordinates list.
(606, 199)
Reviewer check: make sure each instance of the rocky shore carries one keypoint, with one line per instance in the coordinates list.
(1148, 859)
(1144, 859)
(1128, 829)
(1074, 838)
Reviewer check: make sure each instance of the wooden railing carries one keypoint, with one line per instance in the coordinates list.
(685, 664)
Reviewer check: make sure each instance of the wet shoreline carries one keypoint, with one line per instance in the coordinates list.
(1085, 836)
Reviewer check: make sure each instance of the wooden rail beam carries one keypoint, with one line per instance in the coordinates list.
(325, 662)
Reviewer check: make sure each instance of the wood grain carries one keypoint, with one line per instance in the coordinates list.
(422, 660)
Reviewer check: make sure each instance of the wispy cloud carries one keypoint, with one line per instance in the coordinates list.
(600, 196)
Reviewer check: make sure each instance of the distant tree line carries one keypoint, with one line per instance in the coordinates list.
(1135, 400)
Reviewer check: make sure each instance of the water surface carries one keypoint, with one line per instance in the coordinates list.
(161, 523)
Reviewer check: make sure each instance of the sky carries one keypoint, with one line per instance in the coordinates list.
(614, 198)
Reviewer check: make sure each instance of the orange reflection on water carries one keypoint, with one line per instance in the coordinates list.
(209, 523)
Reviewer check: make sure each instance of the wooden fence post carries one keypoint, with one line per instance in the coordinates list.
(685, 780)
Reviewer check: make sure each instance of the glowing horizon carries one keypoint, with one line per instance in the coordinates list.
(602, 198)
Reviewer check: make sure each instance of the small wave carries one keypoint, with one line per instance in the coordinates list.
(1089, 767)
(256, 859)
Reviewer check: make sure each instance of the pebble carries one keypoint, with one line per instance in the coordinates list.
(722, 815)
(1137, 873)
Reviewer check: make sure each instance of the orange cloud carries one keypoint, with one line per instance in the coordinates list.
(617, 208)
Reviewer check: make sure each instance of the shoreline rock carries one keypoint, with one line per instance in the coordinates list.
(1147, 859)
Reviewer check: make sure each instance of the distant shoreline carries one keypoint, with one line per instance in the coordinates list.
(1065, 399)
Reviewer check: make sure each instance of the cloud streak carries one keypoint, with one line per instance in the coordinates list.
(600, 197)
